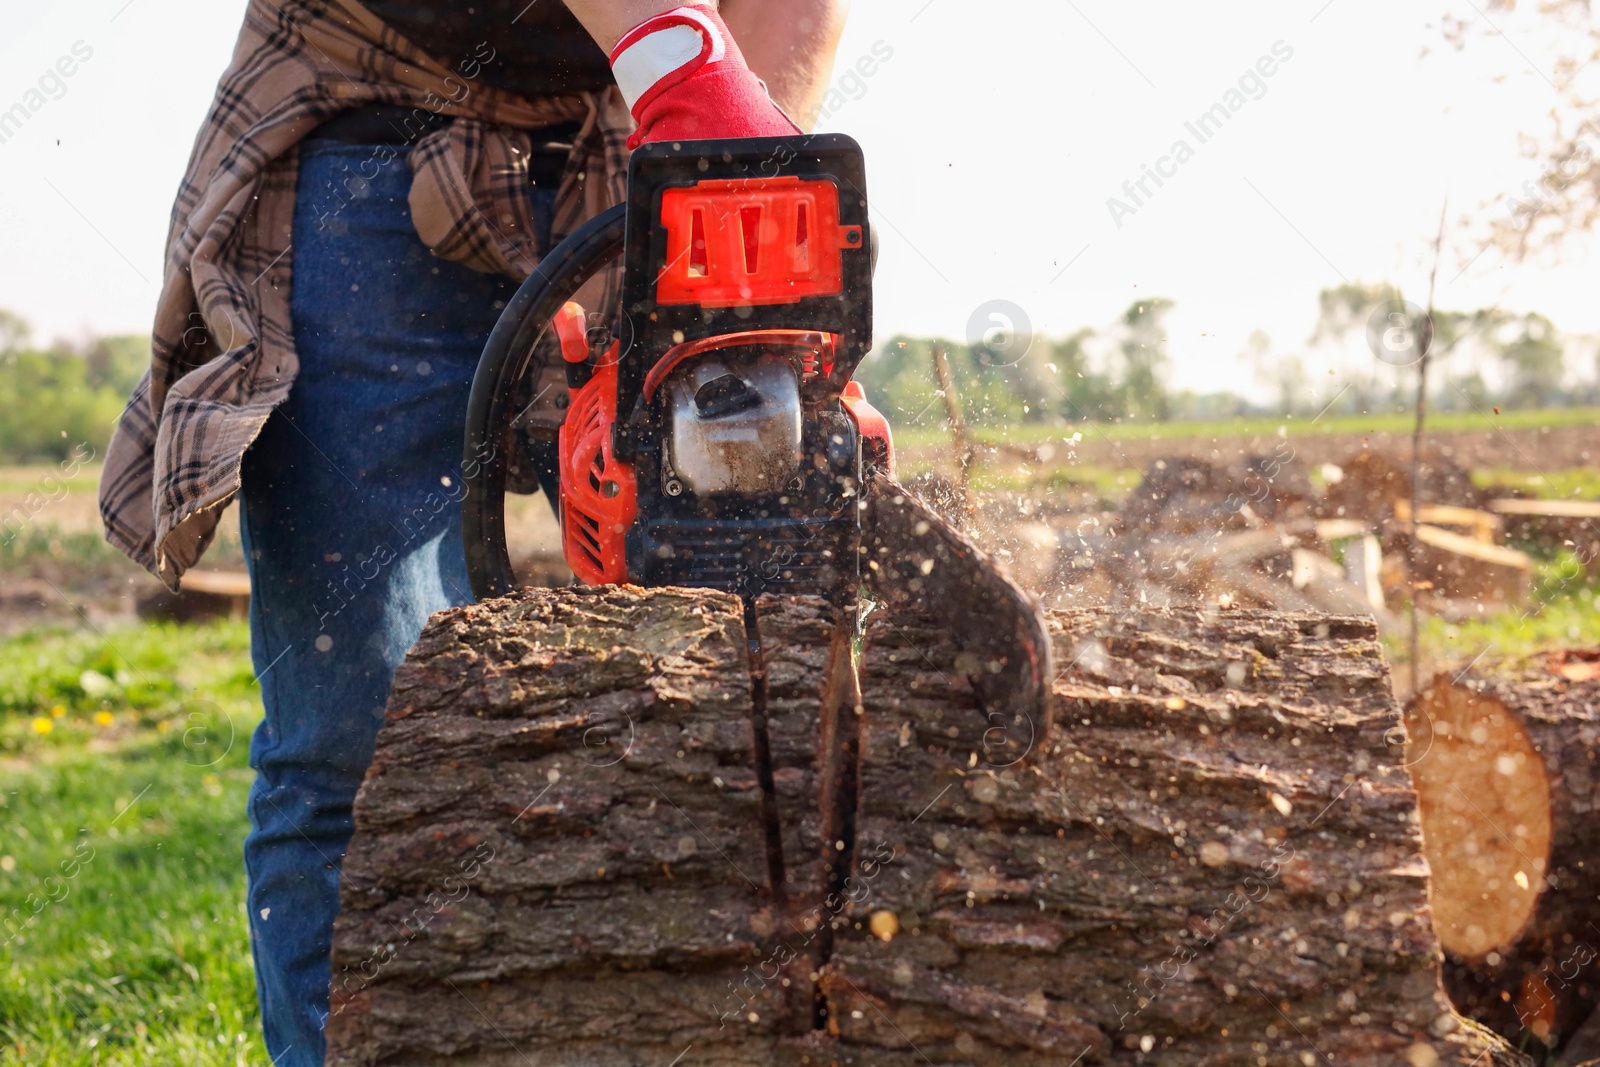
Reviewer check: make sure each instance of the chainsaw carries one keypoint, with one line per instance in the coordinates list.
(712, 433)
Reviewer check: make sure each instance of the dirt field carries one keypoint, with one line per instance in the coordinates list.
(55, 566)
(1548, 448)
(50, 544)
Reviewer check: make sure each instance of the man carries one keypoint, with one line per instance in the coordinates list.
(371, 184)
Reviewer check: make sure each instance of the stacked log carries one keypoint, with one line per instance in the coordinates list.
(206, 594)
(597, 831)
(1454, 567)
(1553, 524)
(1186, 495)
(1505, 765)
(1370, 483)
(1238, 533)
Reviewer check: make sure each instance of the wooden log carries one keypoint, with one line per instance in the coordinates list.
(1328, 585)
(1183, 495)
(1573, 524)
(560, 844)
(565, 848)
(1485, 526)
(1369, 483)
(1551, 509)
(206, 594)
(1261, 568)
(1462, 569)
(1162, 881)
(1339, 529)
(1505, 765)
(811, 725)
(1364, 566)
(1363, 559)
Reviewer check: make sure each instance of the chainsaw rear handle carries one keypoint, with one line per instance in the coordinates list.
(511, 345)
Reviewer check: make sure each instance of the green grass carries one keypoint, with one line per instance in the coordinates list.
(1110, 484)
(1264, 426)
(46, 543)
(23, 480)
(1575, 483)
(1572, 622)
(123, 779)
(1561, 613)
(1003, 473)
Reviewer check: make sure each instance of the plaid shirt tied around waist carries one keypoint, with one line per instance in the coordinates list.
(222, 347)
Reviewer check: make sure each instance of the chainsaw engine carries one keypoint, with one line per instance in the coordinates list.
(713, 434)
(717, 440)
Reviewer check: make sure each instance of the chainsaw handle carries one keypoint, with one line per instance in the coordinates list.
(558, 277)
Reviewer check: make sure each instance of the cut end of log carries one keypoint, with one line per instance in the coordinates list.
(1504, 757)
(1484, 801)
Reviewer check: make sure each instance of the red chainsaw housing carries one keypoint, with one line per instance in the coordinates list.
(599, 494)
(753, 241)
(876, 440)
(775, 263)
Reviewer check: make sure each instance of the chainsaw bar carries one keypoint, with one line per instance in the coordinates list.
(911, 559)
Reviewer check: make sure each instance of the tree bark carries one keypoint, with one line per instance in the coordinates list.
(1214, 858)
(598, 831)
(1506, 770)
(559, 847)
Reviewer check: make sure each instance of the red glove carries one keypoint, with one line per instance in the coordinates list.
(685, 79)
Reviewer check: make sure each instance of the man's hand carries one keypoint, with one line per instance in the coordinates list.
(684, 76)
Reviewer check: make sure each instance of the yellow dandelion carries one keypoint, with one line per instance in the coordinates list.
(103, 718)
(43, 725)
(57, 711)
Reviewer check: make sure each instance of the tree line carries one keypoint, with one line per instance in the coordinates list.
(55, 397)
(1484, 359)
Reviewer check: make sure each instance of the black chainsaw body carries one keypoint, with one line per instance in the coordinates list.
(740, 258)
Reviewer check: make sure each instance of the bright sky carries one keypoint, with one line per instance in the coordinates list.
(994, 137)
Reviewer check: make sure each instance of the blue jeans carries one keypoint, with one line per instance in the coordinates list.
(351, 524)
